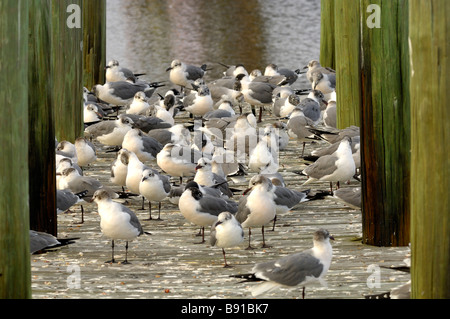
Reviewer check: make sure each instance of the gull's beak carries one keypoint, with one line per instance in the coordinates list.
(107, 67)
(169, 68)
(331, 237)
(247, 190)
(198, 167)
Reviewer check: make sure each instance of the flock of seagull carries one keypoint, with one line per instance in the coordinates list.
(193, 164)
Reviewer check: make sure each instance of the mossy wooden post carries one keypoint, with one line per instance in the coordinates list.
(327, 43)
(94, 42)
(385, 124)
(15, 273)
(41, 155)
(347, 52)
(430, 140)
(67, 62)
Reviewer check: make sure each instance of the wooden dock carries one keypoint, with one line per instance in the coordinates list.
(169, 264)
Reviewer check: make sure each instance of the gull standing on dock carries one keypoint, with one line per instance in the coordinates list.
(226, 232)
(185, 74)
(117, 222)
(154, 187)
(110, 133)
(336, 167)
(115, 73)
(258, 208)
(302, 268)
(178, 160)
(86, 152)
(201, 209)
(199, 102)
(139, 104)
(205, 177)
(145, 147)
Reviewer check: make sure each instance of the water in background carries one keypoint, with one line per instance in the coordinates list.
(146, 35)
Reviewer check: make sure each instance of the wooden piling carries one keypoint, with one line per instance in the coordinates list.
(94, 42)
(347, 55)
(430, 140)
(385, 125)
(15, 272)
(41, 155)
(67, 66)
(327, 43)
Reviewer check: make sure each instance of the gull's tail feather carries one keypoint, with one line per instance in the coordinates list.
(263, 288)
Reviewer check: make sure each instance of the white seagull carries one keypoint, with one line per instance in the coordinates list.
(226, 232)
(154, 187)
(117, 222)
(258, 208)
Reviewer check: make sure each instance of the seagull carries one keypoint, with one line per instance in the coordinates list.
(61, 165)
(289, 105)
(313, 66)
(162, 113)
(326, 83)
(199, 102)
(135, 169)
(116, 73)
(241, 138)
(145, 147)
(86, 152)
(264, 157)
(147, 123)
(178, 160)
(177, 134)
(201, 209)
(350, 196)
(71, 179)
(255, 93)
(279, 129)
(258, 208)
(311, 106)
(273, 70)
(226, 232)
(225, 109)
(330, 113)
(185, 74)
(286, 199)
(279, 99)
(110, 133)
(336, 167)
(40, 241)
(139, 104)
(119, 170)
(220, 94)
(205, 177)
(298, 127)
(234, 70)
(121, 93)
(292, 270)
(154, 187)
(116, 221)
(91, 114)
(356, 152)
(65, 199)
(67, 149)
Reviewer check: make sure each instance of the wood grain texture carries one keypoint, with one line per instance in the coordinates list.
(430, 138)
(67, 66)
(94, 42)
(15, 273)
(385, 126)
(41, 155)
